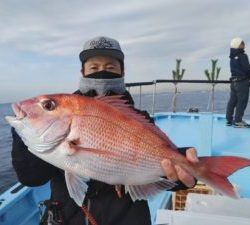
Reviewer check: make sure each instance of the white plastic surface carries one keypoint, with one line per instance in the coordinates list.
(217, 204)
(170, 217)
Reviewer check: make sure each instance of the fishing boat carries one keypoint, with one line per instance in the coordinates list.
(206, 131)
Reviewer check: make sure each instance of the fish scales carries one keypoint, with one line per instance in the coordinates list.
(105, 139)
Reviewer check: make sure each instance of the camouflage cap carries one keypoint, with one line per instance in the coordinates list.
(101, 46)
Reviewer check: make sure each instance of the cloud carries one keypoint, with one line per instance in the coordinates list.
(45, 37)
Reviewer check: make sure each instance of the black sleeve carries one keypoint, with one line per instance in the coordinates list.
(244, 62)
(30, 170)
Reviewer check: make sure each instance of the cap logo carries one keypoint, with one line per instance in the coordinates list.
(101, 43)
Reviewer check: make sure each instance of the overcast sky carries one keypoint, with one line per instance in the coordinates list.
(40, 40)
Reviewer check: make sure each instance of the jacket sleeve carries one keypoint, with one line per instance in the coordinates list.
(30, 170)
(244, 62)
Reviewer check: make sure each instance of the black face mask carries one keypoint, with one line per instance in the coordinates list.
(103, 75)
(102, 82)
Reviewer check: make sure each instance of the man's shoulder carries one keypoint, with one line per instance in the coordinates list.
(243, 54)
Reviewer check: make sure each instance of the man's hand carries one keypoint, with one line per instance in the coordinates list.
(175, 172)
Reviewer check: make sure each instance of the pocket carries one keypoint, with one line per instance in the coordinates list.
(51, 213)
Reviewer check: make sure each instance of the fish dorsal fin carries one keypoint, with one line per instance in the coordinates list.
(115, 100)
(122, 105)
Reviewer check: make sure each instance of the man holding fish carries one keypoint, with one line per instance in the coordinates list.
(97, 198)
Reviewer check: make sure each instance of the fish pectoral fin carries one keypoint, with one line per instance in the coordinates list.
(138, 192)
(72, 148)
(77, 187)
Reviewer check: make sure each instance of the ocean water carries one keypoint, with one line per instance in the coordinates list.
(163, 102)
(7, 174)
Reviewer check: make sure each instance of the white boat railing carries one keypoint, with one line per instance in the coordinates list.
(155, 82)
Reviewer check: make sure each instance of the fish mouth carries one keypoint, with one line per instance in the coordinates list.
(19, 113)
(18, 117)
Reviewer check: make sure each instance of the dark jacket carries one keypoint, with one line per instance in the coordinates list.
(104, 204)
(239, 63)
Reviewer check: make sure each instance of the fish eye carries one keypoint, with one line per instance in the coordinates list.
(49, 105)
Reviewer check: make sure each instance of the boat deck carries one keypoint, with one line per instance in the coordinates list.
(209, 135)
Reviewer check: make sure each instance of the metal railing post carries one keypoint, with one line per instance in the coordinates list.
(140, 98)
(153, 104)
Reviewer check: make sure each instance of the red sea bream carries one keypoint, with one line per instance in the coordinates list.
(105, 139)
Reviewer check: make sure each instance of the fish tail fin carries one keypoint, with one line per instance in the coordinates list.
(218, 168)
